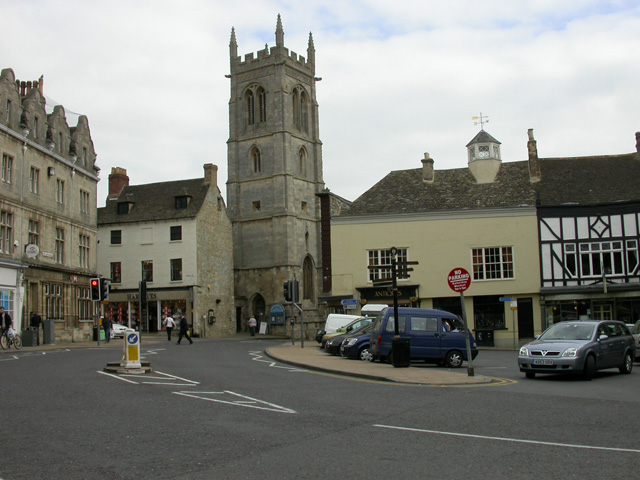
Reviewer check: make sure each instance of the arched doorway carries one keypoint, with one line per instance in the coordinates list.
(258, 309)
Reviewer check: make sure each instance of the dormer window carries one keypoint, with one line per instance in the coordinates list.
(124, 208)
(182, 201)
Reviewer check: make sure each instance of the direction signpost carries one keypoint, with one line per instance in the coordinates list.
(459, 281)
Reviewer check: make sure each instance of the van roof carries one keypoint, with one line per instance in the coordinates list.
(426, 311)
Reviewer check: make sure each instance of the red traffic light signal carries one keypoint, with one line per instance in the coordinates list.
(95, 290)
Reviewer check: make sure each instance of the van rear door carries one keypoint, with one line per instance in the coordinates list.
(425, 333)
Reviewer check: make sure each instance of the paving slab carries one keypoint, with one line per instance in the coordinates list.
(315, 358)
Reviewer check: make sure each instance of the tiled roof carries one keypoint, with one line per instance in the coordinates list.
(404, 191)
(583, 181)
(589, 180)
(156, 201)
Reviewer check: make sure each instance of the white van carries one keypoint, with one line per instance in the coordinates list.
(334, 322)
(372, 309)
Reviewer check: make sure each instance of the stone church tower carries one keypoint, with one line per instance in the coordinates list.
(275, 172)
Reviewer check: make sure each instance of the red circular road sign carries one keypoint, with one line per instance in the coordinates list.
(459, 279)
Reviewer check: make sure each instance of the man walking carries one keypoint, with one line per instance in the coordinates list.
(183, 330)
(36, 321)
(169, 325)
(106, 323)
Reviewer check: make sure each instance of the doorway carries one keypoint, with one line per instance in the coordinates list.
(525, 318)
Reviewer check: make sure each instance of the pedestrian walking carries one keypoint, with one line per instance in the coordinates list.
(106, 323)
(252, 325)
(169, 324)
(36, 321)
(183, 330)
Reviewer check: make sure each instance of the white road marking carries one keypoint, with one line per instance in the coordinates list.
(6, 359)
(116, 376)
(258, 357)
(247, 402)
(515, 440)
(163, 379)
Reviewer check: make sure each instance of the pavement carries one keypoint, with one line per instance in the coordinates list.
(311, 357)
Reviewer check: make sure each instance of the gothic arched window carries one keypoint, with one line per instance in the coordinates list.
(300, 109)
(250, 105)
(255, 93)
(302, 161)
(307, 279)
(256, 161)
(262, 105)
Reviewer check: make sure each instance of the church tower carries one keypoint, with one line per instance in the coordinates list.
(275, 172)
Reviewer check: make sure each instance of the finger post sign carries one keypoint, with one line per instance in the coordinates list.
(459, 280)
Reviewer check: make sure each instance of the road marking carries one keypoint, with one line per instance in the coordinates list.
(515, 440)
(163, 379)
(245, 401)
(117, 376)
(258, 357)
(10, 357)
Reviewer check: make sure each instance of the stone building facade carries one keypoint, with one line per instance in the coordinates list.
(275, 174)
(176, 236)
(48, 211)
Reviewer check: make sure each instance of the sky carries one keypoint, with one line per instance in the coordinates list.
(398, 78)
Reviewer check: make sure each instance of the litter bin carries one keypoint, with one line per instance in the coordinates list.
(49, 332)
(401, 352)
(95, 333)
(28, 336)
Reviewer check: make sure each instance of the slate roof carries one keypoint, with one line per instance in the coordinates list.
(582, 181)
(589, 180)
(156, 201)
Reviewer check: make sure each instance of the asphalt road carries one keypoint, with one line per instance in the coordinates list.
(222, 409)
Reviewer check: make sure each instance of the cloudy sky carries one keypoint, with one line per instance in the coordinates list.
(398, 78)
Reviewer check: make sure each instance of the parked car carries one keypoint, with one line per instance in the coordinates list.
(350, 327)
(117, 330)
(580, 347)
(635, 333)
(434, 336)
(357, 346)
(333, 344)
(333, 322)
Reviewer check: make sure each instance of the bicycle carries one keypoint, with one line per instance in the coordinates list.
(6, 341)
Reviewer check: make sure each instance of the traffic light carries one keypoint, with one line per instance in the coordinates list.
(287, 291)
(143, 292)
(95, 290)
(290, 291)
(104, 289)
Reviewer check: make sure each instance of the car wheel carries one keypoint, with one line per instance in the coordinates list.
(454, 359)
(365, 355)
(627, 365)
(589, 368)
(530, 374)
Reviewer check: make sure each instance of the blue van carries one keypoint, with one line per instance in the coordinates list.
(435, 336)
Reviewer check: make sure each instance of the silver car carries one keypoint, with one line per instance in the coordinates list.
(581, 347)
(635, 333)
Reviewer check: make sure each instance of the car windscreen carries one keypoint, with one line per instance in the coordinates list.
(568, 331)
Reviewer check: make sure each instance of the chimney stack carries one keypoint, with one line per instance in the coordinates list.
(638, 142)
(211, 174)
(427, 168)
(118, 179)
(534, 164)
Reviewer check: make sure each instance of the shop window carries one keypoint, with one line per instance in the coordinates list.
(488, 312)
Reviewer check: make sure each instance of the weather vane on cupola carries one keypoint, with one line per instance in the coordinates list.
(480, 120)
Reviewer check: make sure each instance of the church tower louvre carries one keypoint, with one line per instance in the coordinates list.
(275, 171)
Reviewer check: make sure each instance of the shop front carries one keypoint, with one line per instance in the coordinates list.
(124, 308)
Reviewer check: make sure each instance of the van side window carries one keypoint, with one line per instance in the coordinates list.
(391, 324)
(424, 324)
